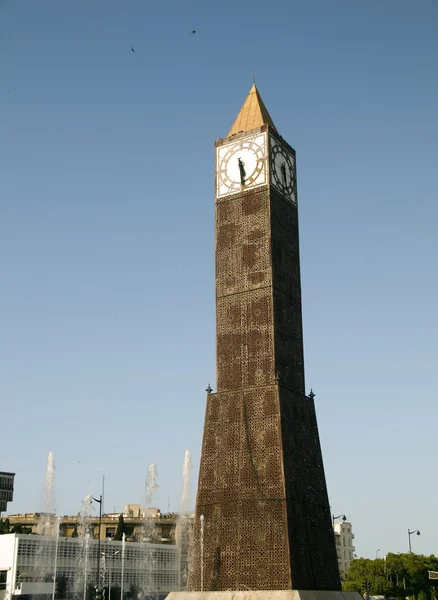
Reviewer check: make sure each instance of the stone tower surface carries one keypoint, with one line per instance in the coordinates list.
(262, 489)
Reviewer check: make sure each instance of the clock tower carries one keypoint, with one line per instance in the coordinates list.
(262, 495)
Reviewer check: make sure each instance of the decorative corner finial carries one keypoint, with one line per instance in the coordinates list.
(208, 389)
(311, 395)
(253, 77)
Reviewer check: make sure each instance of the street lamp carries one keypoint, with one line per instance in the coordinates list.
(98, 543)
(409, 536)
(342, 517)
(109, 577)
(377, 552)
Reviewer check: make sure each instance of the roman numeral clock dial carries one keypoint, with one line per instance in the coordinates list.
(241, 165)
(283, 174)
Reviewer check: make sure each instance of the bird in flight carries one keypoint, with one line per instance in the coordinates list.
(132, 50)
(194, 31)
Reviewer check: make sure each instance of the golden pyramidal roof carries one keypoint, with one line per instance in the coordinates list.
(252, 114)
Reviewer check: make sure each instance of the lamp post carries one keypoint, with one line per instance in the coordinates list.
(98, 545)
(342, 517)
(409, 537)
(377, 552)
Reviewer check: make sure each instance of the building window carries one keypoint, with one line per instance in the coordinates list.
(3, 575)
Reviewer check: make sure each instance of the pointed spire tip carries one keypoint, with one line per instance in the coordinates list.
(252, 114)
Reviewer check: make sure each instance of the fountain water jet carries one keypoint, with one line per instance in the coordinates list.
(86, 554)
(80, 583)
(184, 528)
(186, 494)
(201, 518)
(123, 565)
(45, 524)
(55, 568)
(151, 485)
(48, 504)
(147, 530)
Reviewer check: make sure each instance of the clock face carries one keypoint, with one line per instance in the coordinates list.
(283, 171)
(241, 165)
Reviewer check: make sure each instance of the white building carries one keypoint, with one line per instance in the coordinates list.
(344, 537)
(32, 564)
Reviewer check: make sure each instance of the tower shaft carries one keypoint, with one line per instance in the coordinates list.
(261, 487)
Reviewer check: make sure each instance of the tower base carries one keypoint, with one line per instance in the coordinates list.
(266, 595)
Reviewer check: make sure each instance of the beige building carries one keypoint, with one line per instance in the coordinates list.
(344, 537)
(161, 527)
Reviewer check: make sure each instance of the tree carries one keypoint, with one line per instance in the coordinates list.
(366, 570)
(4, 526)
(409, 574)
(398, 576)
(18, 528)
(120, 529)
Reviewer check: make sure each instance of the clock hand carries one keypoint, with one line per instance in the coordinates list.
(283, 172)
(242, 171)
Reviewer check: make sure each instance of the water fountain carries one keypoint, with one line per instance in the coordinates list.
(43, 565)
(122, 583)
(151, 485)
(79, 585)
(55, 568)
(147, 530)
(44, 525)
(103, 569)
(201, 518)
(186, 494)
(85, 566)
(184, 527)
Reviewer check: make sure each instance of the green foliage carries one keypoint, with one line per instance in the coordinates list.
(120, 529)
(4, 526)
(18, 528)
(398, 576)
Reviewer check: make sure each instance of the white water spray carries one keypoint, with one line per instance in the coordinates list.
(80, 582)
(85, 563)
(43, 568)
(55, 568)
(201, 519)
(102, 570)
(48, 504)
(186, 494)
(148, 530)
(151, 485)
(184, 529)
(123, 564)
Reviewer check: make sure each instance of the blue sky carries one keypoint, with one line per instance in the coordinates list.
(107, 337)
